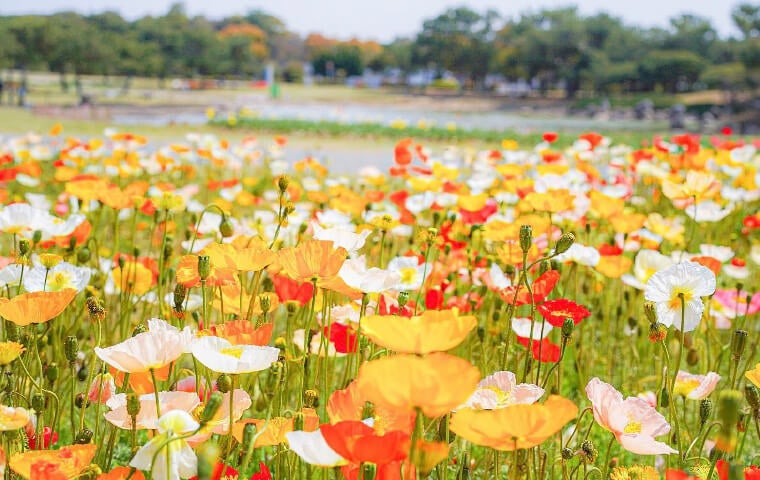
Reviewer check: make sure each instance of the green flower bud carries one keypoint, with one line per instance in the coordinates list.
(51, 372)
(752, 394)
(403, 298)
(692, 357)
(564, 243)
(208, 457)
(738, 344)
(133, 405)
(664, 398)
(589, 450)
(81, 400)
(212, 406)
(83, 437)
(24, 247)
(282, 183)
(526, 237)
(224, 383)
(180, 293)
(650, 311)
(84, 255)
(226, 228)
(37, 236)
(310, 398)
(705, 410)
(249, 432)
(139, 328)
(567, 454)
(38, 402)
(204, 266)
(71, 348)
(567, 328)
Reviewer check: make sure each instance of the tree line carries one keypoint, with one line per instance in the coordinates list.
(551, 48)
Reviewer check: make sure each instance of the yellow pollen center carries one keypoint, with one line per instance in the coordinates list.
(232, 351)
(632, 427)
(58, 281)
(408, 274)
(685, 387)
(675, 298)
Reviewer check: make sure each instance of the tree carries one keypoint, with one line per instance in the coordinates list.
(746, 17)
(674, 70)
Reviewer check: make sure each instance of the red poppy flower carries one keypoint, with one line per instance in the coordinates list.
(49, 438)
(386, 307)
(221, 470)
(359, 443)
(726, 131)
(550, 137)
(434, 299)
(593, 138)
(342, 336)
(541, 287)
(556, 311)
(263, 473)
(607, 250)
(480, 216)
(402, 154)
(288, 289)
(544, 351)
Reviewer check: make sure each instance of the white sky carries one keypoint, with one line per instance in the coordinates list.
(384, 20)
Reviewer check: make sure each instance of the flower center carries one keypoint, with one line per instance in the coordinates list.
(675, 297)
(232, 351)
(685, 387)
(632, 427)
(59, 281)
(408, 274)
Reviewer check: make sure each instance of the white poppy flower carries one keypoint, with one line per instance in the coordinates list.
(685, 282)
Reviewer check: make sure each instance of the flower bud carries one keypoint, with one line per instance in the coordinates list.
(282, 183)
(403, 298)
(567, 454)
(139, 328)
(226, 228)
(249, 433)
(37, 236)
(705, 410)
(95, 309)
(310, 398)
(84, 255)
(121, 262)
(102, 388)
(692, 357)
(133, 405)
(544, 267)
(729, 403)
(650, 311)
(81, 400)
(526, 237)
(83, 437)
(23, 247)
(224, 383)
(752, 394)
(212, 406)
(589, 450)
(38, 403)
(664, 398)
(738, 344)
(204, 266)
(657, 332)
(180, 293)
(265, 302)
(567, 328)
(51, 372)
(564, 243)
(71, 348)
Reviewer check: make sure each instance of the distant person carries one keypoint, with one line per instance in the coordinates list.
(22, 96)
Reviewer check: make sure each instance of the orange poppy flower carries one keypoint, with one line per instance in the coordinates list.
(222, 271)
(552, 202)
(348, 404)
(122, 473)
(605, 206)
(627, 222)
(273, 432)
(241, 332)
(357, 442)
(515, 427)
(141, 382)
(613, 266)
(312, 261)
(36, 307)
(70, 461)
(436, 383)
(249, 254)
(433, 331)
(709, 262)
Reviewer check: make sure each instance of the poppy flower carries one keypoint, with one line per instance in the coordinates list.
(222, 356)
(514, 427)
(312, 261)
(69, 460)
(357, 442)
(685, 282)
(133, 277)
(556, 311)
(176, 461)
(273, 431)
(10, 351)
(222, 271)
(288, 289)
(146, 351)
(123, 473)
(501, 390)
(633, 421)
(543, 350)
(348, 404)
(343, 337)
(542, 287)
(695, 387)
(240, 332)
(49, 437)
(147, 417)
(13, 418)
(404, 382)
(550, 137)
(433, 331)
(36, 307)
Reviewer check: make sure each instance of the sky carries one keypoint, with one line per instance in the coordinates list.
(384, 20)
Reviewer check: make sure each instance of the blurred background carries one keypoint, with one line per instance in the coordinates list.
(426, 65)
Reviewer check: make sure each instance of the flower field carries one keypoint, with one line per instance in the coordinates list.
(215, 310)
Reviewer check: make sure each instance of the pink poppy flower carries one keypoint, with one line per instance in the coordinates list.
(633, 421)
(733, 303)
(695, 387)
(502, 390)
